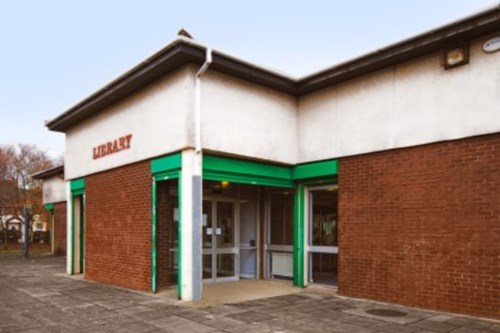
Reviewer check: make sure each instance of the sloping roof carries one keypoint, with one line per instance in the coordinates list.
(58, 170)
(184, 51)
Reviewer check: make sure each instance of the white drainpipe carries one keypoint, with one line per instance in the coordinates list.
(193, 189)
(197, 112)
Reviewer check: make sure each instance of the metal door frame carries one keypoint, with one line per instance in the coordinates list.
(310, 249)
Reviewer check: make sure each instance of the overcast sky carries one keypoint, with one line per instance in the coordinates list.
(55, 53)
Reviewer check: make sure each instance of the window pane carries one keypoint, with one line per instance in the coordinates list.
(324, 268)
(324, 217)
(281, 218)
(225, 224)
(225, 265)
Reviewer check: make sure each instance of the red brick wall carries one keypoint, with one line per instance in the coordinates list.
(421, 226)
(59, 228)
(118, 226)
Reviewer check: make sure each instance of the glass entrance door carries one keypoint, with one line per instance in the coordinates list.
(220, 245)
(322, 235)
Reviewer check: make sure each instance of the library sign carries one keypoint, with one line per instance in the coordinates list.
(111, 147)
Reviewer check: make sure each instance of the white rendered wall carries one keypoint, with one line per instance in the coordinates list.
(246, 119)
(158, 117)
(54, 190)
(410, 104)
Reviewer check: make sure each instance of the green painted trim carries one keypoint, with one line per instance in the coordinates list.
(320, 181)
(246, 172)
(72, 234)
(298, 236)
(167, 175)
(315, 169)
(246, 179)
(49, 206)
(231, 165)
(153, 236)
(179, 241)
(77, 184)
(223, 168)
(166, 163)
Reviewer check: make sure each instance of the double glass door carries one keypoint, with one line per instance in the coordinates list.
(220, 242)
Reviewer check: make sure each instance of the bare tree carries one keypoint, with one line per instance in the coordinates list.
(17, 188)
(9, 192)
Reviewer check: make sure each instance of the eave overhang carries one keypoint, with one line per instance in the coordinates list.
(56, 171)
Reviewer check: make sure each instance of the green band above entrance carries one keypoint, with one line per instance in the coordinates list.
(167, 167)
(49, 206)
(77, 186)
(315, 169)
(246, 172)
(239, 171)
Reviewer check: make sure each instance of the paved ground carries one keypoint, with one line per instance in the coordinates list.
(36, 296)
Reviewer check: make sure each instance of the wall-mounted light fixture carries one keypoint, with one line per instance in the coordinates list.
(455, 55)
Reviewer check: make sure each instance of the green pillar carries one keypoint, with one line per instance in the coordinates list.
(153, 236)
(298, 236)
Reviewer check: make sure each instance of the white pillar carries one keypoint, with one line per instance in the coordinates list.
(191, 217)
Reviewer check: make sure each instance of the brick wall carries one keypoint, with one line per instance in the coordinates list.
(59, 228)
(421, 226)
(118, 226)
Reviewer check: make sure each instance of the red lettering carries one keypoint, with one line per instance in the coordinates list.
(115, 146)
(128, 138)
(122, 143)
(111, 147)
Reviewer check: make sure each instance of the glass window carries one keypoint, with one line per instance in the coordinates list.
(324, 217)
(281, 218)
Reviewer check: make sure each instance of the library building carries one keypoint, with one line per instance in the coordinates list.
(376, 178)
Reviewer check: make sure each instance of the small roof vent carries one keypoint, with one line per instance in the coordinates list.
(183, 32)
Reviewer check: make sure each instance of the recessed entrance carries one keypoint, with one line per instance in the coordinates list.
(229, 232)
(78, 234)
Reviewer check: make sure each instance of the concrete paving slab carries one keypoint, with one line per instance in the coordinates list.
(411, 316)
(469, 322)
(36, 296)
(394, 328)
(434, 326)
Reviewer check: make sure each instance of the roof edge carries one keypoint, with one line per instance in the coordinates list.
(49, 172)
(182, 51)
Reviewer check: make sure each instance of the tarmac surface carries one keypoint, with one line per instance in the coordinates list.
(37, 296)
